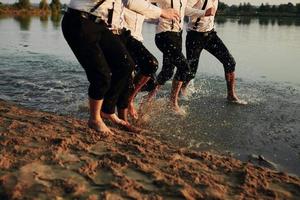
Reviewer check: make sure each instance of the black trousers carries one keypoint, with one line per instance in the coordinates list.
(103, 56)
(197, 41)
(145, 64)
(170, 44)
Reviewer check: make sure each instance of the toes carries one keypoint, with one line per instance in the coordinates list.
(238, 102)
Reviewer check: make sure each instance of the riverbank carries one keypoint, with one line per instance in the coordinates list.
(56, 157)
(9, 11)
(267, 14)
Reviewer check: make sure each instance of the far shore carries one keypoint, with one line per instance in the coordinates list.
(20, 12)
(269, 14)
(9, 11)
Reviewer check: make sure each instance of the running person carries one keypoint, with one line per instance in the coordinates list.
(146, 63)
(88, 28)
(201, 35)
(168, 39)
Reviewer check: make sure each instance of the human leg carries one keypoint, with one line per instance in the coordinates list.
(83, 36)
(95, 122)
(121, 65)
(183, 72)
(218, 49)
(170, 43)
(146, 65)
(194, 46)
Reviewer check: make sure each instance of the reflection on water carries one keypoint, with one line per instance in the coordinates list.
(44, 18)
(244, 20)
(38, 70)
(24, 22)
(56, 18)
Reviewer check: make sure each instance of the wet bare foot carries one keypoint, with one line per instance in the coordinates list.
(236, 100)
(132, 111)
(149, 97)
(113, 118)
(183, 92)
(178, 111)
(99, 126)
(130, 128)
(121, 123)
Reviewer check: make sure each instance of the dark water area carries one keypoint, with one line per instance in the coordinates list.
(38, 70)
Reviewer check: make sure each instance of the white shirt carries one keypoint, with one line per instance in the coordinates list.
(134, 22)
(140, 6)
(206, 23)
(183, 9)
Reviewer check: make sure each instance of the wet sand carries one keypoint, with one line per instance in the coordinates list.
(46, 156)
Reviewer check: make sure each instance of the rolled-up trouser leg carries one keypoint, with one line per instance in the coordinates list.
(122, 66)
(194, 46)
(170, 44)
(84, 37)
(145, 62)
(217, 48)
(123, 99)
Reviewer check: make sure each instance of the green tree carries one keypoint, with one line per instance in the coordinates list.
(298, 8)
(245, 7)
(262, 8)
(55, 6)
(23, 4)
(274, 9)
(44, 5)
(222, 6)
(289, 7)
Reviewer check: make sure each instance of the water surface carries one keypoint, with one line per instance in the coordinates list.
(38, 70)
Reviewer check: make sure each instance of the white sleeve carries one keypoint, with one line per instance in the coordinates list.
(189, 11)
(193, 8)
(143, 7)
(195, 3)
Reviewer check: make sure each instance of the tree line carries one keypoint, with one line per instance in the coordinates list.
(55, 6)
(288, 9)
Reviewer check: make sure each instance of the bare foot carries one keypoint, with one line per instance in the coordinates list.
(151, 94)
(113, 118)
(99, 126)
(131, 128)
(121, 123)
(132, 111)
(177, 110)
(236, 100)
(183, 91)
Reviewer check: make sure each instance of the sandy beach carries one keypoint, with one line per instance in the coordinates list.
(46, 156)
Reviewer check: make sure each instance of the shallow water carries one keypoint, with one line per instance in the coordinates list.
(38, 70)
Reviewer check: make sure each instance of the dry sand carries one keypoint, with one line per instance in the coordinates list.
(45, 156)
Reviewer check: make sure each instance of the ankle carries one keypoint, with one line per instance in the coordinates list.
(232, 96)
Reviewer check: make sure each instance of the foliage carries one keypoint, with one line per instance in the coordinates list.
(248, 9)
(55, 6)
(44, 5)
(22, 4)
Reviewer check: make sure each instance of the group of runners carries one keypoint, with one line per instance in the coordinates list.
(106, 38)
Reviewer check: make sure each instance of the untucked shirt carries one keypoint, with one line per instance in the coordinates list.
(134, 22)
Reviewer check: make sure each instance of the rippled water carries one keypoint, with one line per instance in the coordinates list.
(38, 70)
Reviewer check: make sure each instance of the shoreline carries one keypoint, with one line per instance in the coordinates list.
(49, 156)
(6, 11)
(24, 12)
